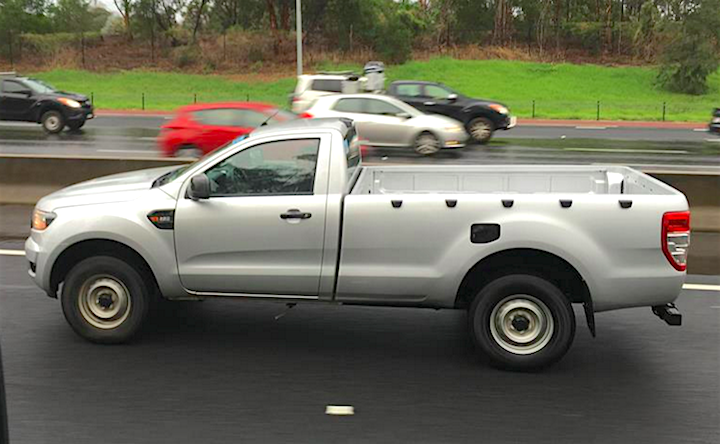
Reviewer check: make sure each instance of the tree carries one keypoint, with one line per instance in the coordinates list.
(694, 53)
(125, 8)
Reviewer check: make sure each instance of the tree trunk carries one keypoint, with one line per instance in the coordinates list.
(198, 18)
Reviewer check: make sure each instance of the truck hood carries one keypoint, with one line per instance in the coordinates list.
(115, 188)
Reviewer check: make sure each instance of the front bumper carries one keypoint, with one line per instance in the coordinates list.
(86, 112)
(714, 128)
(507, 123)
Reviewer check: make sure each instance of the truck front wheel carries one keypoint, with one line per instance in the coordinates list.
(105, 300)
(522, 322)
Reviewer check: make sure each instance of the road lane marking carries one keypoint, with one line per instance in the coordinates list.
(698, 287)
(125, 151)
(623, 150)
(701, 287)
(590, 127)
(700, 130)
(712, 140)
(340, 410)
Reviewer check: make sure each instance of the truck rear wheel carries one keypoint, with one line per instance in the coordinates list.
(52, 121)
(105, 300)
(522, 322)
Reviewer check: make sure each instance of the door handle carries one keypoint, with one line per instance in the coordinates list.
(295, 214)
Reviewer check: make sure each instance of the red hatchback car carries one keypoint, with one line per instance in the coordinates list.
(199, 129)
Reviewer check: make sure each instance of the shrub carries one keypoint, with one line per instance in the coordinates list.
(185, 56)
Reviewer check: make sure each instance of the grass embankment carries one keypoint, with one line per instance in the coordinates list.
(561, 91)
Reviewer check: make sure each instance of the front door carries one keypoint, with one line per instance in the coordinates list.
(261, 231)
(15, 100)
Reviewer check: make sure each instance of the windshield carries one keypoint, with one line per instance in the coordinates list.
(40, 86)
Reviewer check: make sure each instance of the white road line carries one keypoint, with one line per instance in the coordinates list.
(701, 287)
(340, 410)
(712, 140)
(126, 151)
(623, 150)
(698, 287)
(700, 130)
(590, 127)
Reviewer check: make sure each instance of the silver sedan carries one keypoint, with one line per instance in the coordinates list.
(385, 121)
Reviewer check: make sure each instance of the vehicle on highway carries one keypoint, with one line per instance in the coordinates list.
(199, 129)
(387, 122)
(310, 87)
(714, 125)
(480, 117)
(291, 214)
(23, 99)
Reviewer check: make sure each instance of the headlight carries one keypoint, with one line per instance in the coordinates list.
(41, 219)
(69, 102)
(499, 108)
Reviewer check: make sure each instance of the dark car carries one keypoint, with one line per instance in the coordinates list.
(714, 126)
(23, 99)
(480, 117)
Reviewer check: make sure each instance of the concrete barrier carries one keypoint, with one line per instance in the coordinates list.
(24, 179)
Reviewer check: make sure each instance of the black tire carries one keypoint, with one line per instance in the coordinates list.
(76, 124)
(52, 121)
(105, 274)
(427, 144)
(521, 291)
(480, 129)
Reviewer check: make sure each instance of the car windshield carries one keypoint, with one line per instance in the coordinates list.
(39, 86)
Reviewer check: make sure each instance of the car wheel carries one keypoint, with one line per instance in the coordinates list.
(53, 122)
(481, 129)
(522, 322)
(427, 144)
(105, 300)
(76, 125)
(190, 151)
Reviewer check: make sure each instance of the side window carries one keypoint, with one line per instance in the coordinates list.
(382, 108)
(350, 106)
(436, 92)
(409, 90)
(327, 85)
(215, 117)
(10, 86)
(275, 168)
(249, 118)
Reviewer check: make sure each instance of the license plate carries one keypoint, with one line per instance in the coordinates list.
(90, 116)
(513, 121)
(716, 120)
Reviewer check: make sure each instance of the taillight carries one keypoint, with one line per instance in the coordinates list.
(305, 115)
(675, 238)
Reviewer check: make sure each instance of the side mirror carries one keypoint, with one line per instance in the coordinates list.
(403, 115)
(199, 187)
(452, 97)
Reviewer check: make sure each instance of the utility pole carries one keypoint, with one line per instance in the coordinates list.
(298, 32)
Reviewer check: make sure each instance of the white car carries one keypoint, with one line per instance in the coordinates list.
(311, 86)
(386, 121)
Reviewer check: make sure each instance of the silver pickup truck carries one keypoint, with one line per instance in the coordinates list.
(291, 214)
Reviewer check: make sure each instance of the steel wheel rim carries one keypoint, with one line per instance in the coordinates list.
(427, 144)
(52, 123)
(510, 315)
(104, 302)
(480, 130)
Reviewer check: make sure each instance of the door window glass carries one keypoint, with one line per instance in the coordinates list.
(382, 108)
(327, 85)
(350, 105)
(436, 92)
(409, 90)
(10, 86)
(274, 168)
(243, 118)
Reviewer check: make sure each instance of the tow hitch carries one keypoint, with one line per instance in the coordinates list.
(668, 313)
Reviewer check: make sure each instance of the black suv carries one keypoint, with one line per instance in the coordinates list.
(23, 99)
(480, 117)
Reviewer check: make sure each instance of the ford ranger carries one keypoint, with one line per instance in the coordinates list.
(291, 214)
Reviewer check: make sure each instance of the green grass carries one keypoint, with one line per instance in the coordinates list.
(560, 91)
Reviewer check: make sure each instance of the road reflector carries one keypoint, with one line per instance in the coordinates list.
(340, 410)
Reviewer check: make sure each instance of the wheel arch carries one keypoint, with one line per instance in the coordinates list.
(84, 249)
(48, 105)
(528, 261)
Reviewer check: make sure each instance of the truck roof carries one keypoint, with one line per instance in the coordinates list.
(330, 123)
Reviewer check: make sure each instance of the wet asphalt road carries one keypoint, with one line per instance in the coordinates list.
(135, 136)
(225, 371)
